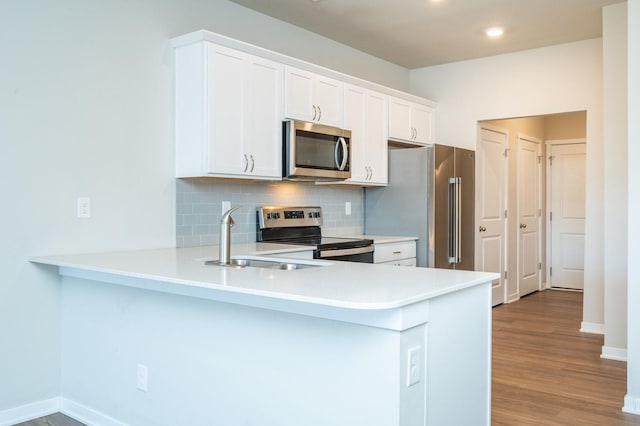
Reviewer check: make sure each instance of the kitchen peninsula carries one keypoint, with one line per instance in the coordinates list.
(157, 337)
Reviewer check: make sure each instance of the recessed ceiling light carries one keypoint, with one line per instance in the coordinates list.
(494, 32)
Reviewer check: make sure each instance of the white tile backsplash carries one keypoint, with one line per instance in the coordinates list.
(199, 204)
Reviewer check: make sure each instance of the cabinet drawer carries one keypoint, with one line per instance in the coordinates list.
(401, 262)
(394, 251)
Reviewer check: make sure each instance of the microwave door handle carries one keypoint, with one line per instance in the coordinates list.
(341, 143)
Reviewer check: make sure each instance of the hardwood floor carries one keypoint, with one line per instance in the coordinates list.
(57, 419)
(545, 372)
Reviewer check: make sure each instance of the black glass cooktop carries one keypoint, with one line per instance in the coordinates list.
(320, 242)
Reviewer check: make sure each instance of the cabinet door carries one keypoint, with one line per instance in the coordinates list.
(298, 103)
(365, 115)
(422, 119)
(354, 111)
(328, 101)
(312, 97)
(400, 119)
(263, 112)
(375, 137)
(225, 101)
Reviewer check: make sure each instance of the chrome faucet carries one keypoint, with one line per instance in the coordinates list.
(224, 255)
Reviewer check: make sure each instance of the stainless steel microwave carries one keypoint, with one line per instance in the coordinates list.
(315, 152)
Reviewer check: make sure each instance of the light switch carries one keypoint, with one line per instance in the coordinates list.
(84, 207)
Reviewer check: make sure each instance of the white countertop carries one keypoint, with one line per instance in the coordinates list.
(341, 284)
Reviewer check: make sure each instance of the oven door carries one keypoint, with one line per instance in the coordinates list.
(356, 254)
(315, 152)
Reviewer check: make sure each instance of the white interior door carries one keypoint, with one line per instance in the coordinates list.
(528, 216)
(567, 215)
(491, 199)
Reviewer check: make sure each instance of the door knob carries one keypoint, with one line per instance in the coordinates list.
(482, 229)
(523, 225)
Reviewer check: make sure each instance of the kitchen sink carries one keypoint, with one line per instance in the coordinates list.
(281, 264)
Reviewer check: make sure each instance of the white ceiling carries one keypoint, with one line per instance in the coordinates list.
(419, 33)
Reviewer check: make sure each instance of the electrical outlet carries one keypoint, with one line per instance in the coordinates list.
(226, 205)
(414, 356)
(141, 380)
(84, 207)
(347, 208)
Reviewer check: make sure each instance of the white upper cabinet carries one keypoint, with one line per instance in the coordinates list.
(231, 98)
(228, 113)
(312, 97)
(365, 114)
(410, 122)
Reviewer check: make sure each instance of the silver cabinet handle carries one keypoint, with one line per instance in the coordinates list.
(246, 163)
(397, 252)
(315, 112)
(252, 163)
(482, 229)
(319, 113)
(523, 225)
(341, 143)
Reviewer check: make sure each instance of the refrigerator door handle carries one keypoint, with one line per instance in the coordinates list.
(455, 221)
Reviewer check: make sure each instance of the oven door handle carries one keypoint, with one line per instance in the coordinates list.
(345, 252)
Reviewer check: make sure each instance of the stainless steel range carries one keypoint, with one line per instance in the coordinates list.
(302, 226)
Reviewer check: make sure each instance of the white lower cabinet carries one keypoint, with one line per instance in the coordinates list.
(228, 111)
(401, 253)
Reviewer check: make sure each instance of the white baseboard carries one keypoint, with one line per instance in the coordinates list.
(592, 327)
(87, 415)
(76, 411)
(513, 298)
(631, 404)
(30, 411)
(616, 354)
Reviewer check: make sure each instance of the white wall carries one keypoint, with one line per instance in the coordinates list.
(614, 51)
(533, 82)
(632, 400)
(86, 109)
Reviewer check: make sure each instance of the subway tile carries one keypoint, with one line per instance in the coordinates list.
(183, 231)
(184, 208)
(198, 204)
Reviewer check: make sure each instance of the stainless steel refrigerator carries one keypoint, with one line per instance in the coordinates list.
(430, 195)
